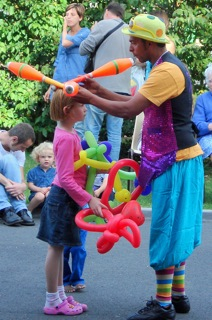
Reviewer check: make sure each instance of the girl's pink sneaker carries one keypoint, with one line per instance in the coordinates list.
(65, 308)
(71, 300)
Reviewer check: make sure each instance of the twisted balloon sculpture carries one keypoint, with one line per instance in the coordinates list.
(117, 226)
(117, 220)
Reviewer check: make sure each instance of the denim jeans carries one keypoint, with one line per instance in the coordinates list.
(73, 276)
(93, 122)
(9, 167)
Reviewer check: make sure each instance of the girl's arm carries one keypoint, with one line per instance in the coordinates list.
(65, 171)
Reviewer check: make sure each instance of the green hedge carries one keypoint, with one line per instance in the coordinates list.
(30, 31)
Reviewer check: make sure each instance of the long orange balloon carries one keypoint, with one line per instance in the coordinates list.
(108, 69)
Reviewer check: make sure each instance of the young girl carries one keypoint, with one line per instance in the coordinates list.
(66, 197)
(40, 178)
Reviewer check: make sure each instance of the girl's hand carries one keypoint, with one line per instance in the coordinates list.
(96, 206)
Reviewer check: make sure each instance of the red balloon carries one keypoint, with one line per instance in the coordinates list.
(112, 174)
(117, 226)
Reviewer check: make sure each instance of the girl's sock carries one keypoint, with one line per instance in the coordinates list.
(164, 286)
(62, 294)
(178, 286)
(52, 300)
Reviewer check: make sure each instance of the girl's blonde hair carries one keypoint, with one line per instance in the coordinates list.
(80, 9)
(37, 151)
(59, 101)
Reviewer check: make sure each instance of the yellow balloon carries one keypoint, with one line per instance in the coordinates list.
(117, 183)
(82, 160)
(123, 195)
(99, 164)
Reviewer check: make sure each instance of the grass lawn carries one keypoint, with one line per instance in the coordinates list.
(146, 201)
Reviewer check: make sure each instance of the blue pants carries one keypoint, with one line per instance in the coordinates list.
(177, 201)
(73, 276)
(93, 122)
(9, 167)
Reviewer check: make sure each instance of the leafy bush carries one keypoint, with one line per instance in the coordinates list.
(30, 32)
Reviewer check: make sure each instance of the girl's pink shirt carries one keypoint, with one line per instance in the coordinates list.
(66, 147)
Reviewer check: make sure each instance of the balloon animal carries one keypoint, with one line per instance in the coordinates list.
(95, 156)
(130, 217)
(116, 224)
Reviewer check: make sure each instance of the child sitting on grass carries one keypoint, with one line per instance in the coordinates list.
(40, 178)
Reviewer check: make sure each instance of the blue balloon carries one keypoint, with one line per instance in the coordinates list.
(146, 191)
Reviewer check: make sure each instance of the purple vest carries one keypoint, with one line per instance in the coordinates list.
(159, 143)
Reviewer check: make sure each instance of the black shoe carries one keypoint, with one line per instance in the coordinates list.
(9, 217)
(153, 311)
(26, 219)
(181, 304)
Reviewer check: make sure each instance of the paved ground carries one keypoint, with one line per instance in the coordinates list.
(118, 283)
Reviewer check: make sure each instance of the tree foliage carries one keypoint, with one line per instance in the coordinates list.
(30, 32)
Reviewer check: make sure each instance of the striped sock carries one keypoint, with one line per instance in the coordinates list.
(164, 286)
(178, 286)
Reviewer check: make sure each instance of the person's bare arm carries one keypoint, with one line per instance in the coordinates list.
(102, 188)
(17, 189)
(114, 104)
(11, 187)
(34, 188)
(97, 89)
(171, 45)
(4, 181)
